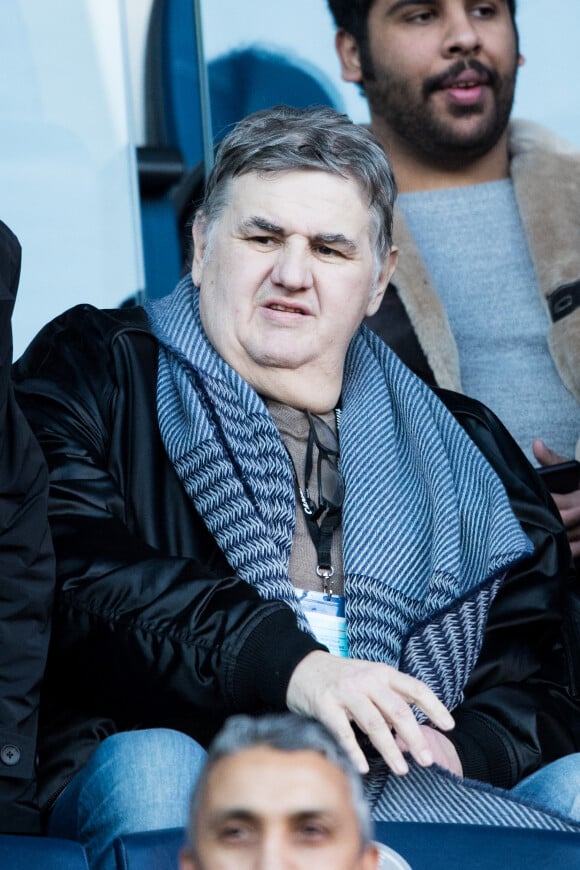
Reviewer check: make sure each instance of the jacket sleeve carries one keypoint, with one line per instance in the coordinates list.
(26, 578)
(147, 635)
(522, 705)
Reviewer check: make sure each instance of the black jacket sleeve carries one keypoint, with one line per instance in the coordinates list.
(522, 704)
(150, 626)
(26, 577)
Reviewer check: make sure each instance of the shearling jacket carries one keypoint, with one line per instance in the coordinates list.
(546, 176)
(153, 630)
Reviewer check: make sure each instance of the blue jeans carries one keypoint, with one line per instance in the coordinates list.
(135, 781)
(556, 787)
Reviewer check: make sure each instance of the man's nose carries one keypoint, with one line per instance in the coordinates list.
(274, 853)
(461, 36)
(292, 269)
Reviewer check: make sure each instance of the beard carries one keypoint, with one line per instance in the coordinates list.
(428, 131)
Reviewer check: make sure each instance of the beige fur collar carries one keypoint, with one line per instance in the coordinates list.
(547, 184)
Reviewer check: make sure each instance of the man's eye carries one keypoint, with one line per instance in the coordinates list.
(234, 834)
(421, 17)
(325, 251)
(313, 832)
(484, 11)
(265, 241)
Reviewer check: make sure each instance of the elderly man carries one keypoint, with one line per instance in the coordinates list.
(487, 296)
(256, 506)
(279, 791)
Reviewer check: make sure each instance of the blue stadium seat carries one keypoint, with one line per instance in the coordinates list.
(175, 115)
(23, 853)
(153, 850)
(429, 846)
(188, 107)
(254, 77)
(424, 846)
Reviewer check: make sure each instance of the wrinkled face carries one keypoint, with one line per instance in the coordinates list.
(263, 808)
(440, 74)
(287, 274)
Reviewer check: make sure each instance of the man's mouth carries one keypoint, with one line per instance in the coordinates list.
(288, 309)
(463, 81)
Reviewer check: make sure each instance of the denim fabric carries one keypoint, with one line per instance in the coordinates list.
(556, 787)
(135, 781)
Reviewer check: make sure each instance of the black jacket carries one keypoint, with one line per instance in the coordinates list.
(392, 323)
(26, 577)
(152, 629)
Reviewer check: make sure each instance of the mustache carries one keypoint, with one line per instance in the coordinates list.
(436, 83)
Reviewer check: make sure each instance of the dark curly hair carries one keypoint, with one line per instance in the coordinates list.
(352, 15)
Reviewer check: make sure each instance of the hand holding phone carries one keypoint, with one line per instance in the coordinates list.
(561, 478)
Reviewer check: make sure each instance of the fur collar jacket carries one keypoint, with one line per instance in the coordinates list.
(546, 175)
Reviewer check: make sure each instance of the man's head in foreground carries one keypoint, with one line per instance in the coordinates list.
(439, 75)
(292, 248)
(277, 792)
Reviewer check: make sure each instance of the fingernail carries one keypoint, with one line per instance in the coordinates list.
(425, 758)
(400, 767)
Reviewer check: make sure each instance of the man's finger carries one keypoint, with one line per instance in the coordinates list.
(420, 695)
(340, 726)
(544, 454)
(377, 727)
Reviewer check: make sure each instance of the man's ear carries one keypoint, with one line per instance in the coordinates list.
(199, 233)
(186, 859)
(385, 276)
(371, 858)
(349, 56)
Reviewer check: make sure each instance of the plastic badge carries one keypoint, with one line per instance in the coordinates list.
(326, 619)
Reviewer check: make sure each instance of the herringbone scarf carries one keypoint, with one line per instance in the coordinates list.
(426, 522)
(428, 532)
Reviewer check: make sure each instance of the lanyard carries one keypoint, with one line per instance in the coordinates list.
(321, 521)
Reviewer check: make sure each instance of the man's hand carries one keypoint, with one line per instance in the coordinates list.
(443, 751)
(568, 503)
(377, 697)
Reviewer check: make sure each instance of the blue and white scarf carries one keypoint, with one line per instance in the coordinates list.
(428, 532)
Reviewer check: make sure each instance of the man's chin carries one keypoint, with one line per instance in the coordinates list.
(271, 362)
(470, 131)
(462, 138)
(281, 361)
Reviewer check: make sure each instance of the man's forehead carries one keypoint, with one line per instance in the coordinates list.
(244, 769)
(319, 202)
(301, 181)
(265, 755)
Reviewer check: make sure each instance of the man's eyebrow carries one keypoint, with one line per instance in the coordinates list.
(255, 222)
(401, 4)
(218, 817)
(321, 814)
(337, 239)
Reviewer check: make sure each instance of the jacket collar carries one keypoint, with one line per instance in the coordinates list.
(546, 175)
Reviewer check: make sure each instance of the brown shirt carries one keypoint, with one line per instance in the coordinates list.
(293, 427)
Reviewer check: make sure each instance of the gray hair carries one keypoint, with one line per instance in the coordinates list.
(285, 732)
(284, 138)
